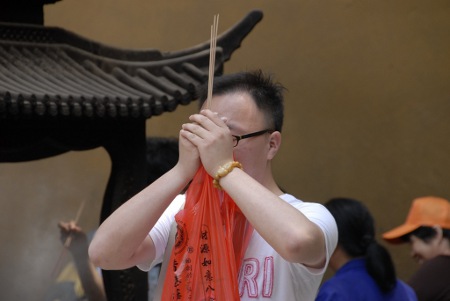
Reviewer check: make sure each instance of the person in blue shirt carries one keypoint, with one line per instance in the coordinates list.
(363, 268)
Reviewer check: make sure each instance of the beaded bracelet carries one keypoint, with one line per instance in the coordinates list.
(223, 171)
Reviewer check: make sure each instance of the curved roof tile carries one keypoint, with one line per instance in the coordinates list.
(51, 72)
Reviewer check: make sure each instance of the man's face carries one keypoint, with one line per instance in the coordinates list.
(244, 117)
(422, 251)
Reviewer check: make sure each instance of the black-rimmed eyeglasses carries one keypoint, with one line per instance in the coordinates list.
(236, 139)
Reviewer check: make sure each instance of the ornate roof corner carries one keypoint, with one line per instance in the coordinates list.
(49, 72)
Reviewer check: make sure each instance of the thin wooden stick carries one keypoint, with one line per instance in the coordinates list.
(67, 243)
(212, 59)
(77, 217)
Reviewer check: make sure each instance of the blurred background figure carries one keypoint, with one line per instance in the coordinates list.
(427, 230)
(363, 268)
(80, 279)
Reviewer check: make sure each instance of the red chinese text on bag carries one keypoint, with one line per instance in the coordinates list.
(212, 236)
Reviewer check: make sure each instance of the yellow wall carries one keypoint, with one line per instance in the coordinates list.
(366, 112)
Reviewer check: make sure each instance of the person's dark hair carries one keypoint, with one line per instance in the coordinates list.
(267, 94)
(162, 155)
(356, 228)
(425, 233)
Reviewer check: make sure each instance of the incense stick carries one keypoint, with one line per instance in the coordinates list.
(212, 59)
(77, 217)
(67, 242)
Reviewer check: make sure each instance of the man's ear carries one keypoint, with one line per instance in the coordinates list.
(439, 232)
(274, 144)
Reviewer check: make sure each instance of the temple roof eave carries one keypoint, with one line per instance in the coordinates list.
(50, 72)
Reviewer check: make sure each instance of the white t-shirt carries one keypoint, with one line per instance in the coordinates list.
(264, 274)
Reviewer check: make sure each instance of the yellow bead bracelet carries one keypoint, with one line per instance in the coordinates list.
(223, 171)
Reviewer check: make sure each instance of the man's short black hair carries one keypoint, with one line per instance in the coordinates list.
(267, 94)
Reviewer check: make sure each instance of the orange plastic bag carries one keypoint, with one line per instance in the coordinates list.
(212, 236)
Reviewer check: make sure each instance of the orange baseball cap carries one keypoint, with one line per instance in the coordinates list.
(424, 211)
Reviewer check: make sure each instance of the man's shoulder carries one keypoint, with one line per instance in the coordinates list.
(302, 204)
